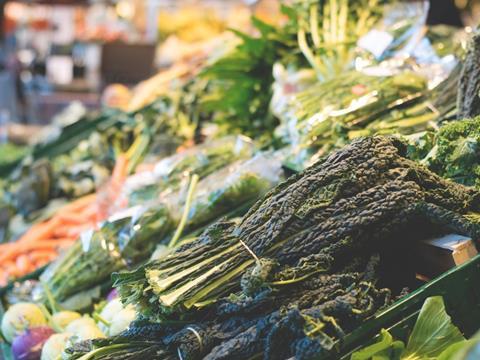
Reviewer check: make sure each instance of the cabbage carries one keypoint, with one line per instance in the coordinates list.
(54, 346)
(122, 321)
(118, 316)
(111, 309)
(85, 328)
(63, 318)
(20, 317)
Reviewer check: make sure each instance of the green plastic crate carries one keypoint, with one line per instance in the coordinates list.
(461, 293)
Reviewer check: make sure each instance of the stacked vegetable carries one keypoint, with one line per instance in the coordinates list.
(305, 266)
(309, 262)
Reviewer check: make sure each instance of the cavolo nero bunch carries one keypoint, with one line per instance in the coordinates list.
(352, 202)
(303, 268)
(302, 320)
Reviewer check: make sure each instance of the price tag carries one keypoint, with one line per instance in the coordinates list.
(376, 42)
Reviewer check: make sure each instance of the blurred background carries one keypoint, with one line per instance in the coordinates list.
(55, 52)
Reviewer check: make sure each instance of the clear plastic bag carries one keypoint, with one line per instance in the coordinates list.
(169, 173)
(125, 239)
(397, 33)
(230, 191)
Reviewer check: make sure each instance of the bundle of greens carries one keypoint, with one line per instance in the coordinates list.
(319, 34)
(304, 267)
(469, 85)
(350, 103)
(414, 113)
(232, 190)
(130, 237)
(240, 83)
(271, 325)
(327, 31)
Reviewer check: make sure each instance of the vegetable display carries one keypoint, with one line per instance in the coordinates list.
(290, 238)
(316, 245)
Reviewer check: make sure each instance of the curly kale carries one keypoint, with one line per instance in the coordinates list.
(454, 152)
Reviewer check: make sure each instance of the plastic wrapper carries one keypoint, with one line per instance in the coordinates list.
(402, 40)
(231, 190)
(126, 239)
(171, 172)
(398, 32)
(351, 101)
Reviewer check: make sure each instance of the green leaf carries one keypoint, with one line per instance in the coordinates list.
(433, 332)
(463, 350)
(264, 28)
(452, 351)
(383, 343)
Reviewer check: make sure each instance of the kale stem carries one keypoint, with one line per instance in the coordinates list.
(186, 210)
(104, 350)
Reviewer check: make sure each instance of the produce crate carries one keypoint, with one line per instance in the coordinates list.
(461, 294)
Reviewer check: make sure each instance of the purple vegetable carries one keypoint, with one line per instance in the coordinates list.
(112, 295)
(28, 346)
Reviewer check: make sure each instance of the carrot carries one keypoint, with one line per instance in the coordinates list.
(35, 255)
(90, 212)
(120, 170)
(78, 204)
(22, 264)
(12, 270)
(39, 231)
(62, 231)
(40, 245)
(72, 218)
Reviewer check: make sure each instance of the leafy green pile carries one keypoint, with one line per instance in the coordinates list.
(327, 31)
(330, 115)
(292, 223)
(320, 34)
(453, 152)
(130, 238)
(350, 103)
(240, 83)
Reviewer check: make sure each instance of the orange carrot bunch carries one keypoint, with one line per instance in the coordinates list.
(43, 241)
